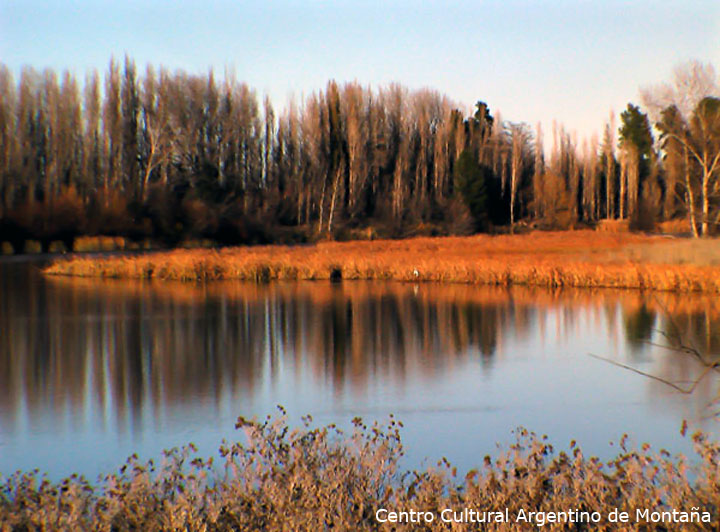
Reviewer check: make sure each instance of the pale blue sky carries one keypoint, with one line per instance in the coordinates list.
(533, 60)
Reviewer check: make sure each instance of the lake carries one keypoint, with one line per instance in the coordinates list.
(92, 371)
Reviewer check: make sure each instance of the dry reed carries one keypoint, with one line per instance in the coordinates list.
(577, 259)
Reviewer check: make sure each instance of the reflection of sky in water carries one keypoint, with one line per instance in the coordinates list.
(92, 371)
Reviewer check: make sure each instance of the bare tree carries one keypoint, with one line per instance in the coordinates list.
(538, 170)
(589, 179)
(701, 141)
(343, 154)
(268, 145)
(520, 140)
(157, 133)
(51, 125)
(70, 142)
(130, 105)
(686, 112)
(609, 166)
(691, 82)
(92, 165)
(112, 126)
(573, 172)
(357, 140)
(8, 136)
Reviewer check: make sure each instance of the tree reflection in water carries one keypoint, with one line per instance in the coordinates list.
(115, 351)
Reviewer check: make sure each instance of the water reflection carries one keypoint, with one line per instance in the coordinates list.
(111, 359)
(639, 326)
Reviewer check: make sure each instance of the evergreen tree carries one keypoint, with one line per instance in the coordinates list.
(470, 180)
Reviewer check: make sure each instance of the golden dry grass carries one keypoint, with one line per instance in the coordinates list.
(578, 259)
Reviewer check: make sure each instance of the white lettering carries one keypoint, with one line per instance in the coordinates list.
(403, 516)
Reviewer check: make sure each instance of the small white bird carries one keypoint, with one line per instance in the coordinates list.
(416, 273)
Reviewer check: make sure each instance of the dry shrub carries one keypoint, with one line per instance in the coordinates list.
(202, 220)
(613, 226)
(644, 219)
(19, 224)
(108, 213)
(677, 226)
(161, 212)
(66, 218)
(60, 218)
(647, 212)
(345, 233)
(100, 243)
(323, 479)
(458, 220)
(554, 203)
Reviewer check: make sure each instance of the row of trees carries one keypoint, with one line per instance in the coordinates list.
(171, 155)
(687, 114)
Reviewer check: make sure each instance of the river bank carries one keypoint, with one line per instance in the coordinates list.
(577, 259)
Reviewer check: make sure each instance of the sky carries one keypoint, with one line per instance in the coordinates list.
(572, 61)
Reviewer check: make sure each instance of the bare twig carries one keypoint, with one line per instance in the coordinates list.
(687, 391)
(648, 375)
(676, 338)
(690, 350)
(675, 343)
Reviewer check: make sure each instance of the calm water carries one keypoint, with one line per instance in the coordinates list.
(92, 371)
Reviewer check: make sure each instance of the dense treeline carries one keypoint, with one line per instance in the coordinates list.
(171, 156)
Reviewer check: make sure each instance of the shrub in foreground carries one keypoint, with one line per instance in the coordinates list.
(322, 479)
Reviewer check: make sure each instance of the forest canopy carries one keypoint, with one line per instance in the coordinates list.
(171, 156)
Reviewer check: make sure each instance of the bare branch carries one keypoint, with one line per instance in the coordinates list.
(685, 391)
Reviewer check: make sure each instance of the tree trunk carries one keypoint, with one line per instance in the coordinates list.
(148, 171)
(333, 200)
(633, 182)
(322, 207)
(690, 197)
(705, 203)
(513, 191)
(299, 203)
(623, 179)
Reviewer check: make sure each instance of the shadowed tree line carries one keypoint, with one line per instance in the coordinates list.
(306, 330)
(171, 156)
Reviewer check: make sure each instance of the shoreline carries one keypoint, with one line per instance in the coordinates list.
(578, 259)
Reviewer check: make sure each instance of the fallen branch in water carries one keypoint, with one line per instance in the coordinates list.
(680, 389)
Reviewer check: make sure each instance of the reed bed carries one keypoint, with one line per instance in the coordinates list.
(575, 259)
(279, 479)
